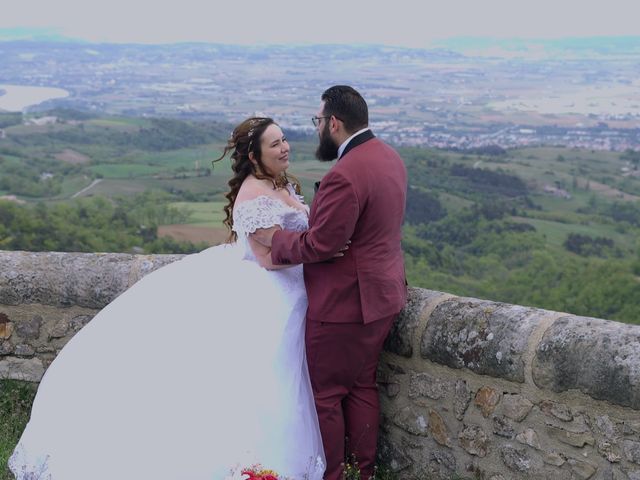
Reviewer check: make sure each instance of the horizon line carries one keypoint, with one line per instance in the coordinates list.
(39, 34)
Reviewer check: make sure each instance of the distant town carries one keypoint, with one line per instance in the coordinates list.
(438, 98)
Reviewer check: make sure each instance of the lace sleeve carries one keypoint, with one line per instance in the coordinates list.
(259, 212)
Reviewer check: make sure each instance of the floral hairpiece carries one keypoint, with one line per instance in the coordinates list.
(253, 123)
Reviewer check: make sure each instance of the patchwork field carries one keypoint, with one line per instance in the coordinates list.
(497, 224)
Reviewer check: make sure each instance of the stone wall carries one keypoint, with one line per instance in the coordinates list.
(45, 298)
(469, 388)
(494, 391)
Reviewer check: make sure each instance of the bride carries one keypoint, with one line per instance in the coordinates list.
(198, 371)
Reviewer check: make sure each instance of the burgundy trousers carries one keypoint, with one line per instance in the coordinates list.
(343, 358)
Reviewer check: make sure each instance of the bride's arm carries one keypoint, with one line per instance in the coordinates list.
(263, 255)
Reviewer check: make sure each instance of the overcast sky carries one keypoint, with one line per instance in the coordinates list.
(411, 23)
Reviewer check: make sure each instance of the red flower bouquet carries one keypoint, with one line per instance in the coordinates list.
(256, 472)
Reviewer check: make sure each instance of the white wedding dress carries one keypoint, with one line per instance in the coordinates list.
(195, 372)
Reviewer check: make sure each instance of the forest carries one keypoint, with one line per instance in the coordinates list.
(549, 227)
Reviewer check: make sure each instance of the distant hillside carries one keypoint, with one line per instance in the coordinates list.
(550, 227)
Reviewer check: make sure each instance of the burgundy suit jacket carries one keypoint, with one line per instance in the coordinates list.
(362, 199)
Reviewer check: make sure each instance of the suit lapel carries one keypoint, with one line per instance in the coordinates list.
(358, 140)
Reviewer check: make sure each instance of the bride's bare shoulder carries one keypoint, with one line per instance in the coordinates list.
(252, 188)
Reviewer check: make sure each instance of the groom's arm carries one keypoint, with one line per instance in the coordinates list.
(336, 212)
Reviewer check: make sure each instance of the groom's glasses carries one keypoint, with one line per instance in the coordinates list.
(316, 120)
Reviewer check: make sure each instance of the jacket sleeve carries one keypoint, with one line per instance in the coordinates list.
(332, 223)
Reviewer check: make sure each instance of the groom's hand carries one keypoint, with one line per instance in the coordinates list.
(264, 236)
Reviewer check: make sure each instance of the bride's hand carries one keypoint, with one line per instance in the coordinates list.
(342, 250)
(264, 235)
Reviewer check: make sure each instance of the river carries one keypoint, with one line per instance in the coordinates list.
(16, 98)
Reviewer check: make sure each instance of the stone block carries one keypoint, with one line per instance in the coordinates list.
(6, 348)
(411, 420)
(474, 440)
(435, 463)
(632, 451)
(611, 473)
(554, 458)
(66, 326)
(530, 437)
(502, 427)
(390, 453)
(609, 451)
(27, 369)
(78, 322)
(606, 427)
(443, 458)
(439, 429)
(516, 459)
(579, 424)
(515, 406)
(461, 399)
(389, 379)
(598, 357)
(425, 385)
(64, 279)
(29, 329)
(24, 350)
(486, 400)
(59, 329)
(45, 349)
(580, 469)
(488, 338)
(391, 389)
(400, 339)
(558, 410)
(571, 438)
(631, 427)
(6, 326)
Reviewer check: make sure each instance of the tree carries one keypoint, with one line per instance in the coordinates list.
(631, 156)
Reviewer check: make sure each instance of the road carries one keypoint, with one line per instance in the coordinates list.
(88, 187)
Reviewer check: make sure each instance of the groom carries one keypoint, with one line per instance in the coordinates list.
(355, 296)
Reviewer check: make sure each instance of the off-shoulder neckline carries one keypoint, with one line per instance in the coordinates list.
(279, 200)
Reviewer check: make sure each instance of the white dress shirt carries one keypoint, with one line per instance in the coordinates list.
(346, 142)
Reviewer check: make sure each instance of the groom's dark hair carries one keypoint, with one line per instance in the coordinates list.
(346, 104)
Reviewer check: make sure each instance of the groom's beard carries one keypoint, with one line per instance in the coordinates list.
(327, 149)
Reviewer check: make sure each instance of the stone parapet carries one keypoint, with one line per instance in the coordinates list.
(47, 297)
(469, 387)
(89, 280)
(487, 390)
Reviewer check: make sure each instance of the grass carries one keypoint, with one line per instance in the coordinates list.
(186, 158)
(124, 170)
(73, 184)
(203, 214)
(15, 407)
(556, 232)
(382, 472)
